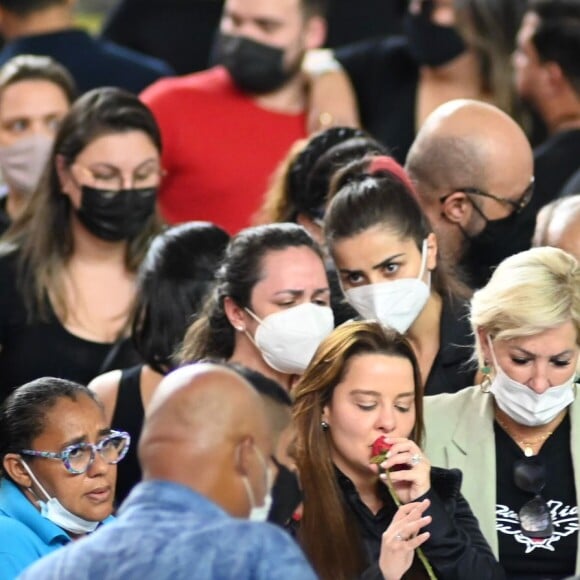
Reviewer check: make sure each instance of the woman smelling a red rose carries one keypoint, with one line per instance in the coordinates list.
(373, 505)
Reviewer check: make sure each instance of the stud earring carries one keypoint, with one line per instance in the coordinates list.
(324, 425)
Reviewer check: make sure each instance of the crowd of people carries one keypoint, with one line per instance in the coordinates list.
(299, 312)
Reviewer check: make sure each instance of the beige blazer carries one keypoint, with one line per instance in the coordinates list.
(459, 433)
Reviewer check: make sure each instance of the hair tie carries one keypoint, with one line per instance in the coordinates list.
(388, 164)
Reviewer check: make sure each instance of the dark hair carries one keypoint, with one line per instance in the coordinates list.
(173, 281)
(43, 234)
(26, 7)
(212, 334)
(29, 67)
(362, 198)
(266, 386)
(310, 174)
(557, 37)
(337, 556)
(23, 412)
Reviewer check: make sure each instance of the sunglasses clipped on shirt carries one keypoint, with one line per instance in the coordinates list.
(535, 517)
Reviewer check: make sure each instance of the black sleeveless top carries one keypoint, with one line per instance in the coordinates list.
(33, 349)
(128, 416)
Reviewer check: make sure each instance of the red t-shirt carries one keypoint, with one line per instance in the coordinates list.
(219, 148)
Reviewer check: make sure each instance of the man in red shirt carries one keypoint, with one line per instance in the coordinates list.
(225, 129)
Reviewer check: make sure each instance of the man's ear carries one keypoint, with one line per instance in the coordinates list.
(457, 208)
(12, 466)
(556, 80)
(244, 453)
(235, 314)
(315, 32)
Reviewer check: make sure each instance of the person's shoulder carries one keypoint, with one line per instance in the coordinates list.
(211, 83)
(383, 50)
(443, 408)
(20, 544)
(277, 554)
(134, 59)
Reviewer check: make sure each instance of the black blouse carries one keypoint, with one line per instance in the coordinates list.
(456, 548)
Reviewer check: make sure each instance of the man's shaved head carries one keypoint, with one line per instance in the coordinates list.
(558, 225)
(468, 144)
(460, 142)
(201, 426)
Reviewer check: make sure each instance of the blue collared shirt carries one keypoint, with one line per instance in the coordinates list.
(167, 531)
(25, 535)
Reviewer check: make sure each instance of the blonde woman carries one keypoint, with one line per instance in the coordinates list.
(515, 437)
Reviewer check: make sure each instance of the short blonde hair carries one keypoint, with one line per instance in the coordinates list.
(528, 293)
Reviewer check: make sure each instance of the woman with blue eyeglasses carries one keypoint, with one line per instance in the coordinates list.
(58, 469)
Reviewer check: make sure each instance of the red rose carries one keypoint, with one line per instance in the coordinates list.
(379, 453)
(379, 450)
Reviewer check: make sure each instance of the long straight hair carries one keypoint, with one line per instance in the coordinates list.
(327, 531)
(42, 235)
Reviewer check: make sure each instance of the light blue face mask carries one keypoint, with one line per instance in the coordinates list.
(54, 511)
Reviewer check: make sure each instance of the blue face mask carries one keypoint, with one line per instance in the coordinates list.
(53, 510)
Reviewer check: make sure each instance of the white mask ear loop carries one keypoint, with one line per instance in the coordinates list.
(424, 251)
(33, 477)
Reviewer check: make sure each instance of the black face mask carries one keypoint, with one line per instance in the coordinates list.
(254, 67)
(116, 216)
(286, 496)
(492, 245)
(431, 44)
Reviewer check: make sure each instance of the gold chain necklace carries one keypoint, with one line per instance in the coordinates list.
(525, 445)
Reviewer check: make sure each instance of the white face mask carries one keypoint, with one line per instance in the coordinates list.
(524, 405)
(260, 513)
(288, 339)
(54, 511)
(23, 162)
(395, 304)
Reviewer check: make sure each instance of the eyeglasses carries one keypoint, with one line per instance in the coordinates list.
(79, 457)
(535, 518)
(517, 205)
(111, 178)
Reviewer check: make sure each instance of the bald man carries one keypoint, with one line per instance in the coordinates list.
(473, 169)
(205, 453)
(558, 225)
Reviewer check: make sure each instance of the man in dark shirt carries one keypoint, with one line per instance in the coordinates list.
(547, 72)
(45, 27)
(473, 170)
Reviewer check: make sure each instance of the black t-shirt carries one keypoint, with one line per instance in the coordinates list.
(30, 350)
(385, 78)
(555, 161)
(524, 558)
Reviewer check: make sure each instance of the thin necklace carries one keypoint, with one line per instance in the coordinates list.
(526, 445)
